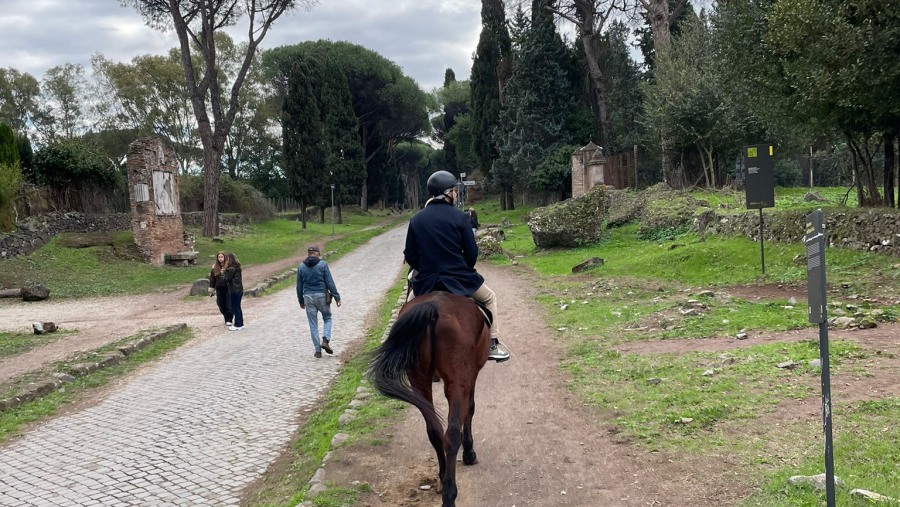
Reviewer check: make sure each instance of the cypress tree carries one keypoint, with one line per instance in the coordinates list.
(302, 134)
(9, 150)
(492, 56)
(539, 102)
(343, 153)
(10, 177)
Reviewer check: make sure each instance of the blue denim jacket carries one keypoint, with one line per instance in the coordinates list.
(313, 276)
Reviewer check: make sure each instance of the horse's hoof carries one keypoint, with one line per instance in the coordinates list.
(470, 460)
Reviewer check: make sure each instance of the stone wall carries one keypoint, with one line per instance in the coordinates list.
(870, 229)
(195, 219)
(35, 232)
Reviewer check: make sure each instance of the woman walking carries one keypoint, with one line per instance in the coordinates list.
(235, 290)
(218, 287)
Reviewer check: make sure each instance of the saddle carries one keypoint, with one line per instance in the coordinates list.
(488, 316)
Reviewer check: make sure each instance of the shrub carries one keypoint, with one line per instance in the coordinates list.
(10, 179)
(787, 173)
(9, 151)
(69, 161)
(235, 196)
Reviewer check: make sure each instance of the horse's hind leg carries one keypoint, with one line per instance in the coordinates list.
(469, 456)
(434, 433)
(452, 440)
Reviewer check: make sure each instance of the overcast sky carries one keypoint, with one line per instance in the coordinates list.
(423, 37)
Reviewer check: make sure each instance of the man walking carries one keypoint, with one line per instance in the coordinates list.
(315, 289)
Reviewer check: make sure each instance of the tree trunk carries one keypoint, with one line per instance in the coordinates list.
(364, 197)
(889, 169)
(210, 191)
(658, 15)
(303, 213)
(598, 81)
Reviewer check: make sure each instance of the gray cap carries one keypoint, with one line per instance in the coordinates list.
(314, 248)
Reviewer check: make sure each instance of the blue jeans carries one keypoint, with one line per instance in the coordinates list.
(315, 303)
(236, 309)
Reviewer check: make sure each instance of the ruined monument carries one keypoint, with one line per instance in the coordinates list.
(155, 211)
(589, 167)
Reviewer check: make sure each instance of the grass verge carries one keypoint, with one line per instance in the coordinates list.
(12, 421)
(17, 343)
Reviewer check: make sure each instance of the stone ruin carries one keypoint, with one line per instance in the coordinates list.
(155, 210)
(589, 167)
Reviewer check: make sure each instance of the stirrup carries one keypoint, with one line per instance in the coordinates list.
(502, 354)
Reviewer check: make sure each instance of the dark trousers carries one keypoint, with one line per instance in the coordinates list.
(224, 302)
(236, 308)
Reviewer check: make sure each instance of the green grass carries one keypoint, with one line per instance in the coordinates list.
(288, 486)
(114, 268)
(654, 310)
(12, 420)
(685, 405)
(17, 343)
(786, 198)
(718, 261)
(866, 456)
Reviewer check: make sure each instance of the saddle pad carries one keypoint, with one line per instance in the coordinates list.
(488, 316)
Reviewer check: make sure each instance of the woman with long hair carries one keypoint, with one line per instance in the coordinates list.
(235, 290)
(218, 287)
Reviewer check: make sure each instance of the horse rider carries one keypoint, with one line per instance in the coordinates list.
(441, 249)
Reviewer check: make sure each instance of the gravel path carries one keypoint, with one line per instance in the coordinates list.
(206, 421)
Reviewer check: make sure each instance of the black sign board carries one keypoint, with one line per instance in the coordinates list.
(760, 176)
(815, 265)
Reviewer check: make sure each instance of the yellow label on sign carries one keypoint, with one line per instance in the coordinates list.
(751, 152)
(770, 151)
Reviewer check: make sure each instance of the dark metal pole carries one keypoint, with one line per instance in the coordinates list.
(826, 414)
(762, 251)
(818, 312)
(332, 210)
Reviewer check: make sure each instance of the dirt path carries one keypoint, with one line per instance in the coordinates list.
(99, 321)
(537, 445)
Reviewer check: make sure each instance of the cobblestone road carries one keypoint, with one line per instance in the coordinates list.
(205, 422)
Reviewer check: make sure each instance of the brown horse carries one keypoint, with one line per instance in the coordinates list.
(445, 335)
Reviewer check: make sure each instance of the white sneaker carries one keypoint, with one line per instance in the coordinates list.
(232, 328)
(229, 324)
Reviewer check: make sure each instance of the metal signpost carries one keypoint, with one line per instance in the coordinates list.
(818, 312)
(760, 186)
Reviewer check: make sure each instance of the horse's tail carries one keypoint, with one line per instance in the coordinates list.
(400, 353)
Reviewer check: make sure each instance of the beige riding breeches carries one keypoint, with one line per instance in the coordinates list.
(485, 295)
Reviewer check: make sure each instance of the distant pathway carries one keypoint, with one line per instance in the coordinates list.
(207, 421)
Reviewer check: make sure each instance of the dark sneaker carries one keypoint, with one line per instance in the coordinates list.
(498, 351)
(325, 346)
(318, 354)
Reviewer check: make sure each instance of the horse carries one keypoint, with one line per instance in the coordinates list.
(443, 335)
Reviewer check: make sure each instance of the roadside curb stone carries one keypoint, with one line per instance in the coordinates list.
(41, 388)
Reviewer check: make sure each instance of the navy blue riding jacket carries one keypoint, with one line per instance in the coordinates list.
(440, 245)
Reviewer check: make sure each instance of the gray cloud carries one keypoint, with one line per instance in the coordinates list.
(423, 37)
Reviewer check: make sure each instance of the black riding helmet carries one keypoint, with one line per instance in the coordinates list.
(439, 182)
